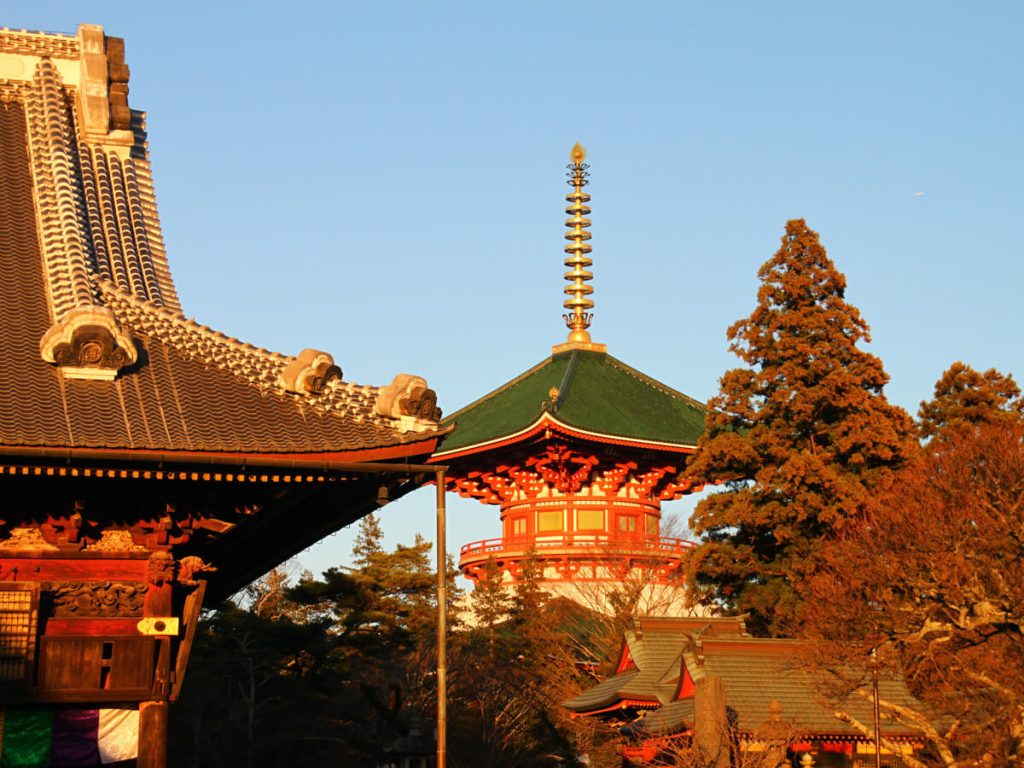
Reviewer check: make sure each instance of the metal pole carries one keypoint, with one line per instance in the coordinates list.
(877, 714)
(442, 627)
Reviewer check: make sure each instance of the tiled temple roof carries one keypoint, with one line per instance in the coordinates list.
(96, 350)
(588, 391)
(755, 672)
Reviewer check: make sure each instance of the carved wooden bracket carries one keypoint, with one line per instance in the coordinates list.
(72, 531)
(176, 527)
(163, 569)
(557, 468)
(562, 468)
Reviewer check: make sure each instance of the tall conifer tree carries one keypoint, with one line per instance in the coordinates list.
(964, 397)
(798, 437)
(369, 540)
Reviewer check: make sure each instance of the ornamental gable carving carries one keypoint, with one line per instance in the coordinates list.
(98, 599)
(87, 343)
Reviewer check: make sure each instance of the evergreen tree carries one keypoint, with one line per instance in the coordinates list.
(799, 437)
(369, 540)
(963, 397)
(490, 599)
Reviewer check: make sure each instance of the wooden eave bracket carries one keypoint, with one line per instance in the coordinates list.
(87, 343)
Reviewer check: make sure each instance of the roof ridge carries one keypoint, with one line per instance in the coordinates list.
(503, 388)
(173, 317)
(258, 367)
(566, 383)
(654, 383)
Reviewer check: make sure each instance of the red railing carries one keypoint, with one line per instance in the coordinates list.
(598, 541)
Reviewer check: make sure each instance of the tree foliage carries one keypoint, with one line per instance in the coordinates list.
(341, 668)
(964, 397)
(933, 583)
(800, 437)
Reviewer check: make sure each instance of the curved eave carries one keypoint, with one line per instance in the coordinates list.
(617, 703)
(282, 460)
(547, 421)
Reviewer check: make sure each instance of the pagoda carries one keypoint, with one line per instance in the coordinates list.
(578, 453)
(148, 464)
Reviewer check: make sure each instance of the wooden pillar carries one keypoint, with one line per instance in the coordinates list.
(153, 734)
(153, 714)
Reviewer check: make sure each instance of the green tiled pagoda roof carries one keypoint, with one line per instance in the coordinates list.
(596, 394)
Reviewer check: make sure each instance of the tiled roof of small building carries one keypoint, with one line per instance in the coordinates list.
(755, 673)
(96, 350)
(586, 390)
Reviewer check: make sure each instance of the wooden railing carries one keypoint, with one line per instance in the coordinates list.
(593, 541)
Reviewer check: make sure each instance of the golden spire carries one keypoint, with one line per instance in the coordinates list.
(578, 317)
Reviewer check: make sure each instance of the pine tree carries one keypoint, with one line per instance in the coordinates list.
(490, 600)
(963, 397)
(369, 540)
(798, 437)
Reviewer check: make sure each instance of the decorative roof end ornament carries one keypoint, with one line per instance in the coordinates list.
(578, 262)
(408, 400)
(87, 343)
(309, 373)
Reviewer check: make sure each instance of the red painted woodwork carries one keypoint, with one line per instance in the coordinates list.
(564, 470)
(591, 541)
(625, 661)
(81, 568)
(91, 627)
(591, 510)
(687, 688)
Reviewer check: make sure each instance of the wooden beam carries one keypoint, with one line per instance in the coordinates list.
(190, 617)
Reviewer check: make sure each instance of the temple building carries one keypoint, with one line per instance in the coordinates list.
(689, 688)
(147, 463)
(578, 453)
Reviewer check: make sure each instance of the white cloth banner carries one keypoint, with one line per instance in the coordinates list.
(118, 735)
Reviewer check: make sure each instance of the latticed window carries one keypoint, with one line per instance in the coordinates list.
(19, 615)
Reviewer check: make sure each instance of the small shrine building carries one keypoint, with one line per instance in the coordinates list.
(683, 685)
(578, 453)
(148, 464)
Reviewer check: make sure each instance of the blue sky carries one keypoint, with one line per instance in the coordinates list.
(384, 181)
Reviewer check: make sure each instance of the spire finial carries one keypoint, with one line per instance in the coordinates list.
(578, 317)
